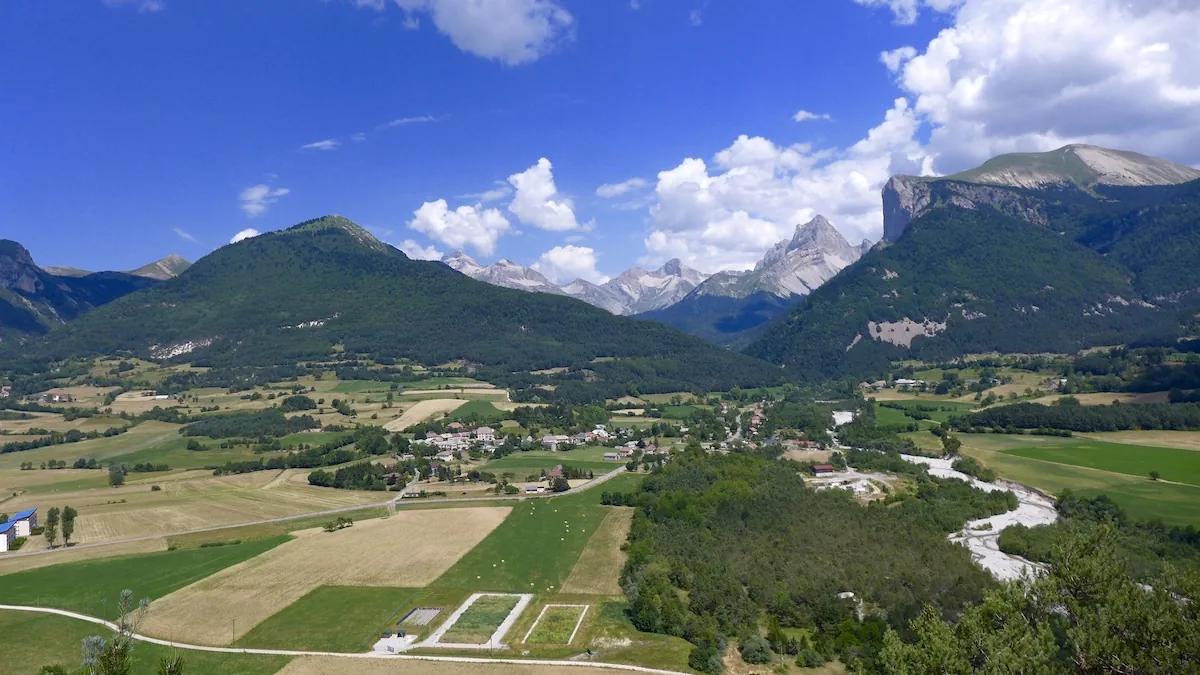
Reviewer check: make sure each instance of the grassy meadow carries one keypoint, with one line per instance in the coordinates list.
(332, 619)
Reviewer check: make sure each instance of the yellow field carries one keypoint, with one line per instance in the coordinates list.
(409, 549)
(598, 570)
(135, 402)
(422, 411)
(1106, 398)
(330, 665)
(193, 500)
(9, 564)
(1184, 440)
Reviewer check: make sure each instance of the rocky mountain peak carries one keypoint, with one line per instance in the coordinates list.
(17, 269)
(168, 268)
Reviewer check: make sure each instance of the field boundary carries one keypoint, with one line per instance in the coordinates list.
(578, 622)
(434, 640)
(366, 655)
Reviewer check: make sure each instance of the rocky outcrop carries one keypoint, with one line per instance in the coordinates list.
(904, 198)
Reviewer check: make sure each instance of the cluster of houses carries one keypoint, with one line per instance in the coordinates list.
(56, 398)
(21, 524)
(460, 438)
(598, 435)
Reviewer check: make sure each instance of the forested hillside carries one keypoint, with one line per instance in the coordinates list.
(327, 284)
(1063, 271)
(728, 321)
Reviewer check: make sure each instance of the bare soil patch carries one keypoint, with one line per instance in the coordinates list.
(808, 455)
(409, 549)
(1184, 440)
(598, 570)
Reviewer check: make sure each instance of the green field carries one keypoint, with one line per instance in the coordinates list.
(534, 549)
(313, 438)
(361, 387)
(522, 463)
(35, 640)
(679, 412)
(92, 586)
(332, 619)
(477, 409)
(1144, 499)
(555, 626)
(1173, 464)
(481, 619)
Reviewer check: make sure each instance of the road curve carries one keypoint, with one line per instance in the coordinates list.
(368, 655)
(396, 501)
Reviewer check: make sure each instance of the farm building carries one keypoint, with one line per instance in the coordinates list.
(612, 456)
(822, 469)
(532, 489)
(8, 535)
(24, 522)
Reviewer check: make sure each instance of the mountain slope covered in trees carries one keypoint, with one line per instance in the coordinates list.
(1038, 270)
(327, 284)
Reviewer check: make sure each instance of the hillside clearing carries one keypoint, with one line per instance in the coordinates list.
(409, 549)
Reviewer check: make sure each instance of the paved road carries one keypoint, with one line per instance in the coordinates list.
(396, 501)
(368, 655)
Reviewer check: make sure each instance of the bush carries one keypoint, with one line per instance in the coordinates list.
(156, 488)
(706, 660)
(810, 658)
(756, 650)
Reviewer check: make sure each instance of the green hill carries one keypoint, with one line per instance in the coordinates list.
(327, 284)
(727, 321)
(1103, 267)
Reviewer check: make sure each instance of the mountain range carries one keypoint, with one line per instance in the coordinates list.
(326, 288)
(731, 308)
(633, 292)
(1029, 253)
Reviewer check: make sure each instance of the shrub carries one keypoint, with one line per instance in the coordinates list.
(810, 658)
(756, 650)
(706, 660)
(156, 488)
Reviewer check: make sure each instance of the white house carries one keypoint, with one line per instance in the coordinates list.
(485, 434)
(612, 456)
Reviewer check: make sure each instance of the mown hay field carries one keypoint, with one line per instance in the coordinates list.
(598, 570)
(409, 549)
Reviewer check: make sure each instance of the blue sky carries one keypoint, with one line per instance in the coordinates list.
(130, 129)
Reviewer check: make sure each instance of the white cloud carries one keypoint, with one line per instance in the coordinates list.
(510, 31)
(466, 226)
(148, 6)
(896, 58)
(537, 202)
(244, 234)
(358, 137)
(906, 11)
(256, 199)
(405, 121)
(415, 251)
(1030, 75)
(805, 116)
(609, 190)
(497, 193)
(327, 144)
(182, 234)
(727, 214)
(563, 264)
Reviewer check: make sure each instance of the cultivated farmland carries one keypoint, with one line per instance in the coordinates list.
(423, 410)
(1180, 466)
(476, 625)
(598, 570)
(406, 550)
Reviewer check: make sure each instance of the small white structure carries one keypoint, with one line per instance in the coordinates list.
(612, 456)
(24, 522)
(8, 536)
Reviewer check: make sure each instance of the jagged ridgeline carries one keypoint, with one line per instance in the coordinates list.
(1055, 252)
(299, 293)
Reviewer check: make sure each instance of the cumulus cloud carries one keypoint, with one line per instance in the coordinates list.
(1029, 75)
(415, 251)
(405, 121)
(256, 199)
(726, 214)
(896, 58)
(806, 116)
(906, 11)
(609, 190)
(563, 264)
(467, 226)
(186, 236)
(244, 234)
(327, 144)
(510, 31)
(537, 201)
